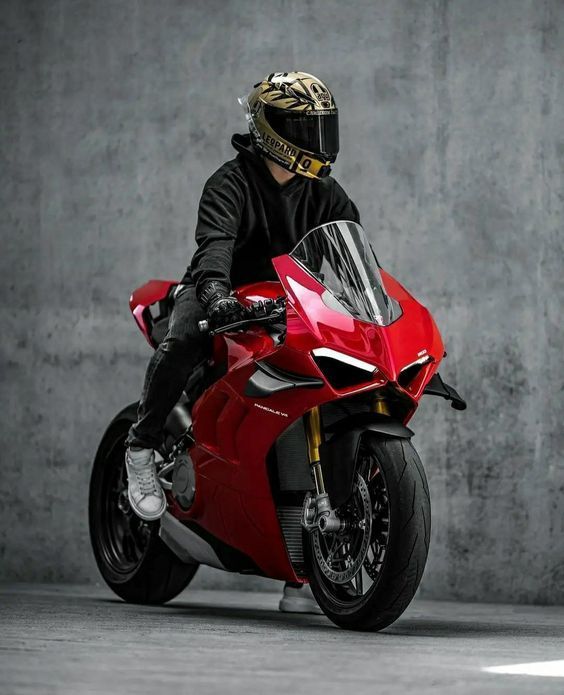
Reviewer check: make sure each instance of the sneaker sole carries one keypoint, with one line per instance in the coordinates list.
(142, 515)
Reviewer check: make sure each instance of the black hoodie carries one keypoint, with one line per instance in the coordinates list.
(246, 218)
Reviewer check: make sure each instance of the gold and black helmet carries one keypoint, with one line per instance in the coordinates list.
(294, 122)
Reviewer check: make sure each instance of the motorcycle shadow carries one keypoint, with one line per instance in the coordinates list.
(178, 610)
(451, 627)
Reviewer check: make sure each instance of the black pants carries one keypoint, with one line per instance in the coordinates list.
(182, 348)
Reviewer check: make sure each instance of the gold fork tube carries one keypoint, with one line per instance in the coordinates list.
(313, 430)
(314, 441)
(379, 404)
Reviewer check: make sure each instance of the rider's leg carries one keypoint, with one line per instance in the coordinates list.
(182, 348)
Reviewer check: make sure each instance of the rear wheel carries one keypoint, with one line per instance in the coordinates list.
(131, 557)
(365, 575)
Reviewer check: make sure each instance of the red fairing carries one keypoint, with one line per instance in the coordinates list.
(143, 297)
(235, 432)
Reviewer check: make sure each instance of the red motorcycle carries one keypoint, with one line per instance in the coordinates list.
(288, 455)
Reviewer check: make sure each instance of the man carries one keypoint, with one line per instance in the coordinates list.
(253, 208)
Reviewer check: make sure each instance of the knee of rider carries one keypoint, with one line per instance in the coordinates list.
(177, 347)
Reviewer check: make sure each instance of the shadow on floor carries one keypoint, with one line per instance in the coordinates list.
(453, 628)
(419, 626)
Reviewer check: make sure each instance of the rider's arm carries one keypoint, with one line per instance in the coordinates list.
(219, 218)
(342, 207)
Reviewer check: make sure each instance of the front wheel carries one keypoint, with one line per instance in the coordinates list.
(131, 557)
(365, 575)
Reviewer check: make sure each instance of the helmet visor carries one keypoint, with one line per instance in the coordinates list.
(312, 131)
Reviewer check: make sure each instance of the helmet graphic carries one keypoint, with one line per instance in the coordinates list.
(294, 122)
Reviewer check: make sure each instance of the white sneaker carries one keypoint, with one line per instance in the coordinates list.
(145, 494)
(298, 600)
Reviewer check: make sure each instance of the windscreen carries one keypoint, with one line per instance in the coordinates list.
(340, 257)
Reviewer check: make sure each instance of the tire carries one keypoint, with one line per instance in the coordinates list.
(408, 507)
(132, 559)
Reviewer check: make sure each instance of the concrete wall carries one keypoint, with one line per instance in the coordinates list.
(112, 115)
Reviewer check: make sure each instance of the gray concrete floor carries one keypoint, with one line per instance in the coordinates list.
(68, 639)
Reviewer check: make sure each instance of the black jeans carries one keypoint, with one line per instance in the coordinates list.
(182, 348)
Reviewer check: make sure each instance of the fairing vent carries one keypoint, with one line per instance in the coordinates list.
(291, 524)
(291, 456)
(408, 374)
(341, 375)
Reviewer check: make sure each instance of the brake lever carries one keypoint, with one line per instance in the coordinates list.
(204, 326)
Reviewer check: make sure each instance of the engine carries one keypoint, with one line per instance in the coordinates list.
(184, 481)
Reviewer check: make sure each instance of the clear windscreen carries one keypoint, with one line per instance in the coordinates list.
(340, 257)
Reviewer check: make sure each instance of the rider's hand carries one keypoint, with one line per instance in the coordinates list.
(221, 308)
(225, 310)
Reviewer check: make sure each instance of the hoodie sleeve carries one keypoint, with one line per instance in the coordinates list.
(342, 207)
(219, 218)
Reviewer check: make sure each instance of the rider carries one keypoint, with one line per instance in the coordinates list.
(253, 208)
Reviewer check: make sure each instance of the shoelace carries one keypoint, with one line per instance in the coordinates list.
(147, 480)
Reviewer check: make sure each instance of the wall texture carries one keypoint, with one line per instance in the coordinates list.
(112, 115)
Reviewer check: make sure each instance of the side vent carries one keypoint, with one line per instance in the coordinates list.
(291, 454)
(409, 373)
(291, 524)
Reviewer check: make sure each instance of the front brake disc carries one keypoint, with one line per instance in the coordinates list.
(330, 550)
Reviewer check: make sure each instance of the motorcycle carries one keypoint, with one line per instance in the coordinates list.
(288, 455)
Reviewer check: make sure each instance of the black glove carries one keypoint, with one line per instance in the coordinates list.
(221, 308)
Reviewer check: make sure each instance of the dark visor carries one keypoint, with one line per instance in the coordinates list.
(314, 132)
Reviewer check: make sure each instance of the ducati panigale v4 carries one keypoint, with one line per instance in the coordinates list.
(288, 455)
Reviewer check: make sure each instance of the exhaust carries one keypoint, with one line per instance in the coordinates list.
(186, 544)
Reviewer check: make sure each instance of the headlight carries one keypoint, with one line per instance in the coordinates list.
(342, 370)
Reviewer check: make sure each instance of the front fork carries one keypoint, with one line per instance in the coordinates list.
(318, 512)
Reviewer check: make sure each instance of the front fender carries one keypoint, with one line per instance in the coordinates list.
(339, 454)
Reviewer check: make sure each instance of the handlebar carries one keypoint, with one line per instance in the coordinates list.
(264, 311)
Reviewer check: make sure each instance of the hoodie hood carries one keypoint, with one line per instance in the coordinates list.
(244, 146)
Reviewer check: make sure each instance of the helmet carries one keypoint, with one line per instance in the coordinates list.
(294, 122)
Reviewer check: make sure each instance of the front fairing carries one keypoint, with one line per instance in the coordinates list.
(413, 336)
